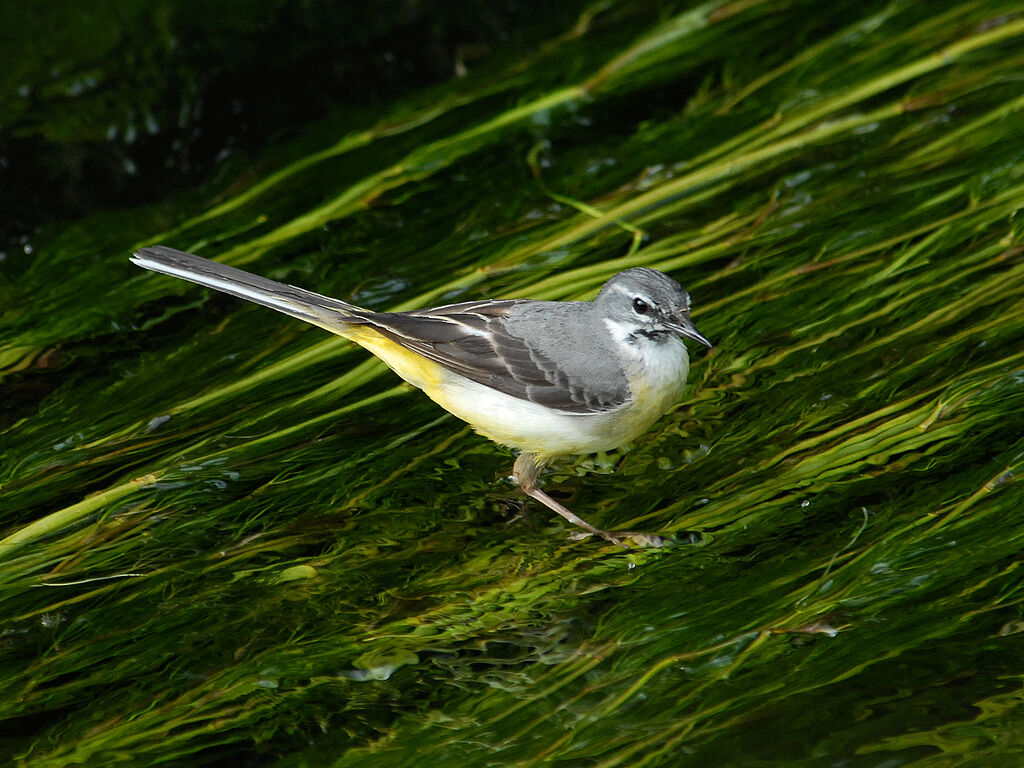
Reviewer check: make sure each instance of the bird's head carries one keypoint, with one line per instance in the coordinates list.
(647, 303)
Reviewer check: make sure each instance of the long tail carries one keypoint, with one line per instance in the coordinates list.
(331, 314)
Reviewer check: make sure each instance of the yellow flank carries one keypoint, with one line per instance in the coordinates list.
(521, 423)
(414, 368)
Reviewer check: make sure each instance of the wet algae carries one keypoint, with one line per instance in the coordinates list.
(227, 538)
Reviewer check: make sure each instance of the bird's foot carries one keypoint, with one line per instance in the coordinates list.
(624, 539)
(525, 474)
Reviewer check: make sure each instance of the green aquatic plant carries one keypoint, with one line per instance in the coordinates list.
(228, 538)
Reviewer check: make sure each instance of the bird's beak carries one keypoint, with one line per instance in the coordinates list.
(683, 325)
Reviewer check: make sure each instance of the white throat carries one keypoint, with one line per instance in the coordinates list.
(658, 367)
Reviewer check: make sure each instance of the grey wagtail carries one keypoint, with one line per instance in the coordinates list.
(549, 378)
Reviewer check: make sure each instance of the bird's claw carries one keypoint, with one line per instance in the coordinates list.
(638, 539)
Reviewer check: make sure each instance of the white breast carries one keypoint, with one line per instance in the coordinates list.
(656, 372)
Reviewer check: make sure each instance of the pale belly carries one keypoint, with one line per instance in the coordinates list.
(530, 427)
(534, 428)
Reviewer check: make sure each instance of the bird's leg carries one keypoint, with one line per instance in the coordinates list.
(525, 472)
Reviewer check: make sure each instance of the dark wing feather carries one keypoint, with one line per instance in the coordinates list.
(472, 340)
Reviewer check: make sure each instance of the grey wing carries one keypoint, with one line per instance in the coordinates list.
(473, 340)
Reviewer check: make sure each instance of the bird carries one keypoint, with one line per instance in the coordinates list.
(546, 378)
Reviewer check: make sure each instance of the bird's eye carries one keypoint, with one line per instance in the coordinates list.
(640, 306)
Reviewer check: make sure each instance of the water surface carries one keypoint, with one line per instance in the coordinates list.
(233, 539)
